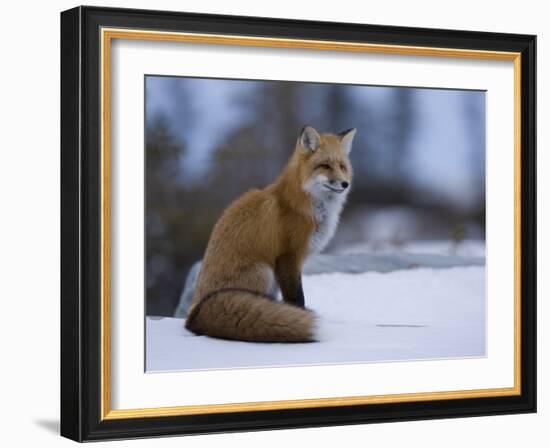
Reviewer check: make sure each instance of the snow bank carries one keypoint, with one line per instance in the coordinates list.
(464, 249)
(368, 317)
(351, 263)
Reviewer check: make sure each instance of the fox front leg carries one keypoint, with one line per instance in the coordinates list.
(289, 278)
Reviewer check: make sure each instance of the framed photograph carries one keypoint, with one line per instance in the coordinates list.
(277, 224)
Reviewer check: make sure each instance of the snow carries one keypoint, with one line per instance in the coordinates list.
(350, 263)
(356, 263)
(368, 317)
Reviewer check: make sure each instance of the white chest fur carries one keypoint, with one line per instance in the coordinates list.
(326, 210)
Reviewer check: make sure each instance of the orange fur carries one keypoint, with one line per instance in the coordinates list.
(264, 233)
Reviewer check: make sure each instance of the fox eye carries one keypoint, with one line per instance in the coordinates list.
(325, 166)
(343, 167)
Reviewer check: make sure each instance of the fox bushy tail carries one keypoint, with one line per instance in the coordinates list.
(249, 316)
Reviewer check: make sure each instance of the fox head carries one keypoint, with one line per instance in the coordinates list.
(325, 169)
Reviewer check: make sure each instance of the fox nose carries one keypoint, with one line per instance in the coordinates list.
(345, 184)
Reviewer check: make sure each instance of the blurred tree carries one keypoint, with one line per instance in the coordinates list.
(474, 118)
(253, 155)
(239, 164)
(401, 123)
(177, 224)
(337, 108)
(385, 123)
(278, 121)
(457, 236)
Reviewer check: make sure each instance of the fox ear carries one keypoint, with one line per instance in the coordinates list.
(346, 139)
(309, 139)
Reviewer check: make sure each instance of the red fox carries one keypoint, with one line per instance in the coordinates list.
(261, 241)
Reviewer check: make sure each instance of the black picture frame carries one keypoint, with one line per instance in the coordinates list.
(81, 224)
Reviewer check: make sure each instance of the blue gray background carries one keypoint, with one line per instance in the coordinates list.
(418, 158)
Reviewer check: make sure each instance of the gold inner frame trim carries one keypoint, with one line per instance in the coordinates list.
(107, 35)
